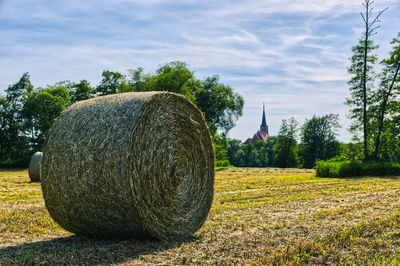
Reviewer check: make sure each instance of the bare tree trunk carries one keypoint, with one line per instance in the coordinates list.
(364, 81)
(369, 31)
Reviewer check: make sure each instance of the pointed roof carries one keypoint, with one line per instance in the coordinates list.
(264, 121)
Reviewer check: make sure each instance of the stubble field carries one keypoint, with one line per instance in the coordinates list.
(259, 216)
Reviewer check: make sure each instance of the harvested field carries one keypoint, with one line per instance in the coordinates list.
(259, 216)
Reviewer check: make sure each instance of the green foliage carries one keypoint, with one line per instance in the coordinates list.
(59, 92)
(355, 168)
(41, 110)
(318, 139)
(381, 168)
(338, 169)
(254, 154)
(271, 142)
(81, 91)
(219, 104)
(173, 77)
(137, 80)
(221, 146)
(13, 143)
(234, 145)
(350, 151)
(387, 106)
(390, 140)
(4, 106)
(285, 149)
(17, 163)
(17, 94)
(26, 117)
(222, 163)
(112, 82)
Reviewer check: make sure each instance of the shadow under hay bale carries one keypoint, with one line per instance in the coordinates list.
(73, 250)
(34, 167)
(130, 165)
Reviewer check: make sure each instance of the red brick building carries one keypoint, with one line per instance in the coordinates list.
(261, 134)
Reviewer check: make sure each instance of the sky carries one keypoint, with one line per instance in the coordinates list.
(290, 54)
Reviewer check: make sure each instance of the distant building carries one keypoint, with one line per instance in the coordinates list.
(261, 134)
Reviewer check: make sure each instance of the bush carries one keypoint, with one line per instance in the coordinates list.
(338, 169)
(18, 163)
(222, 163)
(355, 168)
(381, 168)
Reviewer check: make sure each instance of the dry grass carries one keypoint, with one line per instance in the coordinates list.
(259, 216)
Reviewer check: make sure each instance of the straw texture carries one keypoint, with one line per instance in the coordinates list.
(130, 165)
(34, 167)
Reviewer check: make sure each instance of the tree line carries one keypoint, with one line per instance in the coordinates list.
(317, 142)
(27, 113)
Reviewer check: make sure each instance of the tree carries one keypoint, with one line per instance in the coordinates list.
(271, 141)
(390, 140)
(3, 126)
(41, 110)
(234, 145)
(361, 68)
(138, 80)
(260, 152)
(387, 99)
(318, 139)
(14, 143)
(173, 77)
(256, 154)
(250, 155)
(18, 92)
(240, 159)
(285, 149)
(81, 91)
(60, 92)
(112, 82)
(350, 151)
(220, 105)
(221, 146)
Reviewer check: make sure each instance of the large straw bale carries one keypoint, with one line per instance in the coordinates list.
(34, 167)
(130, 165)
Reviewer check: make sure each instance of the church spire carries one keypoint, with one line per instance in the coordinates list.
(264, 121)
(262, 134)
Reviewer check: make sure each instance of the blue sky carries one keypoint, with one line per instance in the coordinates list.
(290, 54)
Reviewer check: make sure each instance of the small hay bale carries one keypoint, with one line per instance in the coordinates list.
(130, 165)
(34, 166)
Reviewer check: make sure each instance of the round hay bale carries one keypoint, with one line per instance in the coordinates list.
(34, 166)
(130, 165)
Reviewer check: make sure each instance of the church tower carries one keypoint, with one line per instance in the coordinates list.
(261, 134)
(263, 126)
